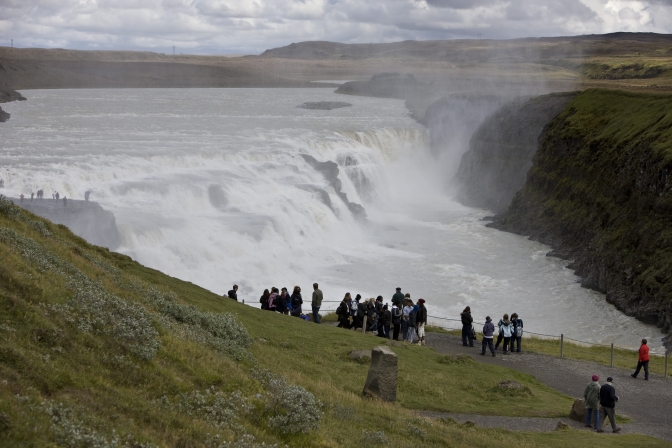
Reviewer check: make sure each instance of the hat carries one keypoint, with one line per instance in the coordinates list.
(421, 300)
(596, 378)
(610, 379)
(398, 288)
(487, 319)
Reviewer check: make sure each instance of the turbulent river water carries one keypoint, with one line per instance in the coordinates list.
(209, 185)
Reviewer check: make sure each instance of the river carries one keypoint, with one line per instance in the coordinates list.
(209, 185)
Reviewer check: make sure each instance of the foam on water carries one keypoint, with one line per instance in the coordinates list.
(209, 185)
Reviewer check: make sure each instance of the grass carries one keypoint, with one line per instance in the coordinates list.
(175, 368)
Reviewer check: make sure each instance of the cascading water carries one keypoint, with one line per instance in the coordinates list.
(210, 185)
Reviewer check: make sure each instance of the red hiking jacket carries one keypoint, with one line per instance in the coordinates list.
(644, 352)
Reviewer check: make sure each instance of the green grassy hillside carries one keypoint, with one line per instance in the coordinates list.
(99, 351)
(600, 190)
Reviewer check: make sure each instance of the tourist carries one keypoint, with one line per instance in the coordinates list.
(31, 196)
(608, 399)
(488, 332)
(361, 312)
(273, 299)
(343, 312)
(517, 331)
(297, 301)
(233, 293)
(284, 302)
(21, 197)
(406, 311)
(467, 321)
(316, 304)
(378, 304)
(506, 330)
(396, 321)
(421, 321)
(398, 298)
(591, 398)
(264, 299)
(411, 336)
(643, 361)
(385, 321)
(371, 316)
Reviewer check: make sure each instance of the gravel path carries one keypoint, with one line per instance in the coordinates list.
(510, 423)
(647, 403)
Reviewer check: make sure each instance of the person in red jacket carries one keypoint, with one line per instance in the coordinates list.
(643, 361)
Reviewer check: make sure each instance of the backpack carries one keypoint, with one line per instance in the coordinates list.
(396, 316)
(519, 328)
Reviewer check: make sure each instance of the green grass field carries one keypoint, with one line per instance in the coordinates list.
(97, 350)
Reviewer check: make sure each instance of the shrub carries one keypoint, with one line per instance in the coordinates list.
(292, 408)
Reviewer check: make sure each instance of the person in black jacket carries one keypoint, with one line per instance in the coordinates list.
(385, 321)
(378, 304)
(297, 301)
(517, 330)
(608, 399)
(396, 321)
(233, 294)
(343, 312)
(421, 321)
(264, 299)
(358, 321)
(467, 321)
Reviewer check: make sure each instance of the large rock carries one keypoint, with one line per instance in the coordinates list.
(381, 381)
(578, 411)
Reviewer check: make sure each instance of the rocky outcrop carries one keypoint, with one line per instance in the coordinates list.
(4, 116)
(578, 411)
(600, 193)
(87, 220)
(381, 382)
(7, 94)
(323, 105)
(385, 85)
(501, 151)
(330, 171)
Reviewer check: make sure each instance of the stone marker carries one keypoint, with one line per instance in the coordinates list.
(578, 411)
(561, 426)
(381, 381)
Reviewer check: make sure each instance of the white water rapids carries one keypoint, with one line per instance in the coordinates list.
(208, 185)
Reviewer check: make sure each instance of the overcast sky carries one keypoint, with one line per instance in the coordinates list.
(252, 26)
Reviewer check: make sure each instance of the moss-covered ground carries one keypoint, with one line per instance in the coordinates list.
(97, 350)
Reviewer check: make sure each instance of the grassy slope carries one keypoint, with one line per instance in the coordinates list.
(68, 386)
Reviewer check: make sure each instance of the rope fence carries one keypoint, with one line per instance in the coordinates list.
(565, 347)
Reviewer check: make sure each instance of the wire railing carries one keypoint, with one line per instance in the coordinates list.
(566, 347)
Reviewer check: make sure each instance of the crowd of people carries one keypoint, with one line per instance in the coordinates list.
(510, 333)
(403, 318)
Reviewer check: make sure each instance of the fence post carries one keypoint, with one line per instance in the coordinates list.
(562, 344)
(667, 356)
(364, 325)
(611, 363)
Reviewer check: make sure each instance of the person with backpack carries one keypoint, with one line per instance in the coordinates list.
(396, 321)
(273, 299)
(343, 312)
(421, 321)
(506, 330)
(517, 331)
(488, 332)
(467, 321)
(233, 293)
(591, 399)
(385, 321)
(406, 310)
(371, 316)
(643, 361)
(297, 301)
(264, 299)
(358, 321)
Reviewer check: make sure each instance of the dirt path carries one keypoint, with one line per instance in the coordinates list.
(647, 403)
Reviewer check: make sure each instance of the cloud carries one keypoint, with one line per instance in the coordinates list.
(251, 26)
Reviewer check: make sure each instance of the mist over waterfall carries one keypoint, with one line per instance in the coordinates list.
(215, 186)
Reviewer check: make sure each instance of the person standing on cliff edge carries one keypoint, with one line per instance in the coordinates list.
(643, 361)
(233, 293)
(316, 303)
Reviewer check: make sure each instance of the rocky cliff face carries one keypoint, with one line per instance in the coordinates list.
(87, 220)
(501, 151)
(600, 192)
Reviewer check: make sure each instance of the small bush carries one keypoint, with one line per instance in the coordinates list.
(373, 437)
